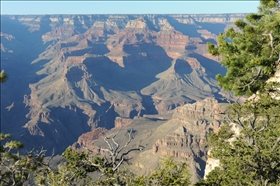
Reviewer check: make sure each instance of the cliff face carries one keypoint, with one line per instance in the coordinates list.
(72, 74)
(188, 139)
(181, 135)
(197, 120)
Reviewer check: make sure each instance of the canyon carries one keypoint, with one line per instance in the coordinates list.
(75, 78)
(181, 134)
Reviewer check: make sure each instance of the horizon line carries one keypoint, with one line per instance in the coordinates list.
(127, 14)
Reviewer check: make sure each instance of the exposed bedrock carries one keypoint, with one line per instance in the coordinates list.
(70, 74)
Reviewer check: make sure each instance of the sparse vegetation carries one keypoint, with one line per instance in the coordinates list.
(3, 77)
(80, 168)
(18, 168)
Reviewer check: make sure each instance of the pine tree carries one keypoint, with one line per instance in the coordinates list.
(251, 52)
(248, 146)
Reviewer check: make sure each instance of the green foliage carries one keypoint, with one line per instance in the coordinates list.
(78, 169)
(251, 157)
(248, 146)
(121, 176)
(79, 166)
(170, 173)
(81, 161)
(3, 77)
(251, 53)
(17, 169)
(73, 172)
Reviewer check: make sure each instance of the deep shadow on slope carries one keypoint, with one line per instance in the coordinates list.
(215, 28)
(139, 71)
(68, 124)
(182, 67)
(186, 29)
(212, 67)
(26, 47)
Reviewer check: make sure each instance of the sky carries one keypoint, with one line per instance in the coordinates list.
(127, 7)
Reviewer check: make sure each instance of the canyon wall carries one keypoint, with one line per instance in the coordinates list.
(71, 74)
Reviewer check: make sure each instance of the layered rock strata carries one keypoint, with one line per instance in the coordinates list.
(70, 74)
(188, 139)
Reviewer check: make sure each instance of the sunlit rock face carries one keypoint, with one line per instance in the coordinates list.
(181, 135)
(186, 139)
(70, 74)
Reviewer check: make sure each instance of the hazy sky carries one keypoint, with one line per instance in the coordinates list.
(127, 7)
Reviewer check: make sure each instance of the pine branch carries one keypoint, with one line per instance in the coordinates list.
(254, 79)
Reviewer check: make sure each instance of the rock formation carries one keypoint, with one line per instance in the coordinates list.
(182, 136)
(70, 74)
(188, 140)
